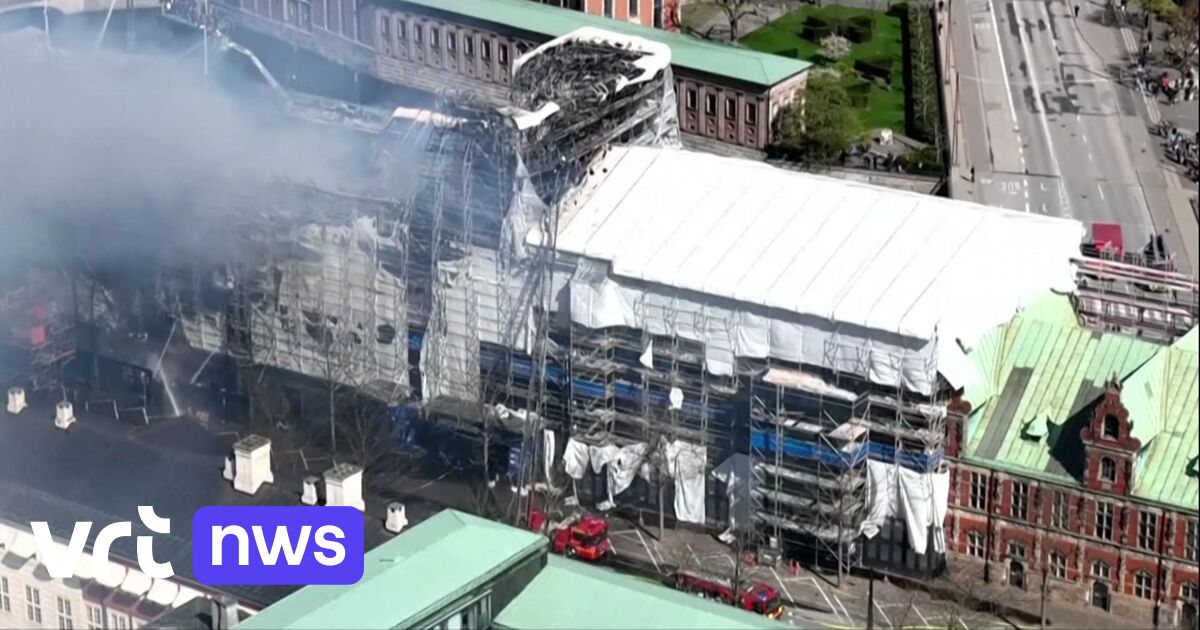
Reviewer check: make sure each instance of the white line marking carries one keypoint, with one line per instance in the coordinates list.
(649, 552)
(1084, 136)
(839, 601)
(783, 586)
(884, 615)
(1003, 66)
(1101, 189)
(1037, 97)
(918, 611)
(826, 598)
(1091, 158)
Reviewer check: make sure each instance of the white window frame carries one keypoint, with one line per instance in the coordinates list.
(33, 605)
(5, 596)
(1058, 565)
(978, 491)
(95, 617)
(1147, 530)
(1191, 544)
(1143, 584)
(65, 620)
(1106, 515)
(1023, 512)
(974, 536)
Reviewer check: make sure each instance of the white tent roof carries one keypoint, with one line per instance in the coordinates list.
(848, 252)
(24, 545)
(163, 592)
(136, 582)
(112, 575)
(185, 595)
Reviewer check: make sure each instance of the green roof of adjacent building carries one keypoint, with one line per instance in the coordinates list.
(408, 578)
(695, 54)
(571, 594)
(1163, 400)
(1037, 373)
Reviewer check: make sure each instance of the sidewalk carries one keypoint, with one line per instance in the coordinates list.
(1167, 193)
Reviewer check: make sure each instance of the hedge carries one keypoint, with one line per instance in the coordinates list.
(875, 68)
(924, 116)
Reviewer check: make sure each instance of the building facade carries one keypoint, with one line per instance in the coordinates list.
(654, 13)
(727, 96)
(1096, 507)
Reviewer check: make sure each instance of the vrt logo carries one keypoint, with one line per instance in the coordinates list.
(65, 567)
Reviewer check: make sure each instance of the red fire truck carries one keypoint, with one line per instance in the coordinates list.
(586, 538)
(758, 598)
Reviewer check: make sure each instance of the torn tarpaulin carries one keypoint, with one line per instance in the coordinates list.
(918, 498)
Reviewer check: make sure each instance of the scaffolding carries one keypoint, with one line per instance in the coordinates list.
(1135, 298)
(39, 333)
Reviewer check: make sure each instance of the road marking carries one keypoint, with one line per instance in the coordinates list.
(1091, 158)
(648, 551)
(1041, 112)
(1084, 136)
(826, 598)
(839, 601)
(782, 585)
(884, 615)
(1012, 109)
(923, 619)
(1101, 189)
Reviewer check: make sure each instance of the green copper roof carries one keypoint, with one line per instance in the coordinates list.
(571, 594)
(1042, 367)
(408, 578)
(695, 54)
(1162, 401)
(1039, 371)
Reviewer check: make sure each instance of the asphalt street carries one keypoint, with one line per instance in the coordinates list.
(1040, 119)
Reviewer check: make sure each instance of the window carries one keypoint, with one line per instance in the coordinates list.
(485, 50)
(401, 29)
(33, 605)
(502, 53)
(978, 491)
(1147, 530)
(634, 8)
(691, 100)
(1189, 542)
(975, 544)
(1016, 550)
(1019, 507)
(5, 600)
(751, 114)
(434, 36)
(319, 14)
(1100, 596)
(418, 32)
(730, 108)
(1058, 565)
(1104, 520)
(710, 104)
(1108, 470)
(474, 614)
(64, 614)
(1143, 584)
(608, 8)
(385, 32)
(95, 617)
(1060, 511)
(658, 13)
(451, 41)
(349, 13)
(1112, 427)
(118, 621)
(1100, 570)
(306, 15)
(1188, 592)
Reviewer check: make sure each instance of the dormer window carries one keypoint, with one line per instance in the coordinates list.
(1112, 427)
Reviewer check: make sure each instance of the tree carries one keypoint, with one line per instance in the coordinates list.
(835, 47)
(822, 127)
(735, 11)
(1183, 33)
(1160, 9)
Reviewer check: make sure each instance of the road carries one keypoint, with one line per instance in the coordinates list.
(1040, 119)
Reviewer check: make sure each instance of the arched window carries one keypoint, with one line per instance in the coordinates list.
(1112, 427)
(1108, 469)
(1100, 570)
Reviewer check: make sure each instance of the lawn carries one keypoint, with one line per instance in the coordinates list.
(883, 105)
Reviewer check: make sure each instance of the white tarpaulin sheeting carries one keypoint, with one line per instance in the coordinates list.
(575, 459)
(734, 472)
(686, 463)
(917, 498)
(802, 267)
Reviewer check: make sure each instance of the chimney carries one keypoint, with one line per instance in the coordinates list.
(252, 464)
(224, 612)
(64, 415)
(343, 486)
(16, 400)
(397, 517)
(309, 495)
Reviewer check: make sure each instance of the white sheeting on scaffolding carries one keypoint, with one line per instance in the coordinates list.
(686, 463)
(734, 472)
(575, 459)
(918, 498)
(862, 279)
(548, 446)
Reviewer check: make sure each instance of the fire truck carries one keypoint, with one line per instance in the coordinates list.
(759, 598)
(585, 538)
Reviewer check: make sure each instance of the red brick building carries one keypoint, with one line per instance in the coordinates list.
(656, 13)
(1076, 468)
